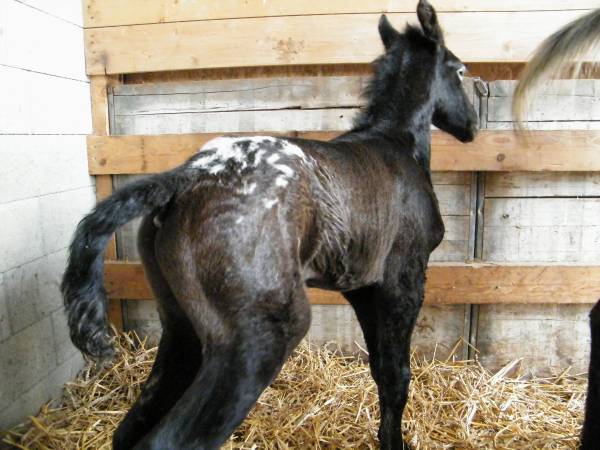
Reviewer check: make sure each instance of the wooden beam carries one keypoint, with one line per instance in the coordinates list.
(313, 39)
(156, 153)
(449, 283)
(99, 86)
(104, 13)
(537, 151)
(506, 151)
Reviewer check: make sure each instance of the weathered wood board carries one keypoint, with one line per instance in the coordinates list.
(560, 100)
(492, 150)
(542, 218)
(313, 107)
(549, 338)
(309, 103)
(542, 229)
(527, 217)
(306, 39)
(454, 283)
(99, 13)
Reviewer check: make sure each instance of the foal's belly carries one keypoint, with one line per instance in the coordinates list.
(352, 278)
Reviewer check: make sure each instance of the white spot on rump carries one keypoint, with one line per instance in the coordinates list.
(281, 181)
(269, 202)
(292, 150)
(223, 149)
(216, 168)
(286, 170)
(247, 189)
(273, 158)
(227, 148)
(239, 220)
(218, 152)
(258, 157)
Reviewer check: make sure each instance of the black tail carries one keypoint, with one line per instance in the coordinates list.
(590, 437)
(83, 281)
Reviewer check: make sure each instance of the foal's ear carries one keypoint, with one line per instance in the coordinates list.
(387, 32)
(429, 22)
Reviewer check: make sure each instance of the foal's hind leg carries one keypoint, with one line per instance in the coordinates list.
(177, 361)
(387, 313)
(238, 365)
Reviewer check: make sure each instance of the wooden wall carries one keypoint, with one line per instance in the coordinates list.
(541, 218)
(524, 217)
(170, 35)
(308, 103)
(512, 275)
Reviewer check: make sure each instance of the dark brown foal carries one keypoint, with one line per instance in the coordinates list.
(231, 239)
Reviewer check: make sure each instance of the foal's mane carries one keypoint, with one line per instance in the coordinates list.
(388, 70)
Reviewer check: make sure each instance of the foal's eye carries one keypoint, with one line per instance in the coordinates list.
(461, 73)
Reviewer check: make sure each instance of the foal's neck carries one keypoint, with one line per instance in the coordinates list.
(410, 129)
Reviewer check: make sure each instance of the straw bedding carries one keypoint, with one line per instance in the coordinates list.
(324, 400)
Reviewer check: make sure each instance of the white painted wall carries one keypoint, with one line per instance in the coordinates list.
(44, 191)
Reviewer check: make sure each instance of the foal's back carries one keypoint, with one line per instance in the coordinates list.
(273, 209)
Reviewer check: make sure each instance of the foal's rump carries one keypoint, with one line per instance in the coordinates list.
(233, 267)
(230, 204)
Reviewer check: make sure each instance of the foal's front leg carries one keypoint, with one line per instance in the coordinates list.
(387, 313)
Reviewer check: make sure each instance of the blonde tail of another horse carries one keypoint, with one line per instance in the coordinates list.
(577, 41)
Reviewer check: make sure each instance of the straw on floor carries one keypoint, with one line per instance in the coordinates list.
(323, 400)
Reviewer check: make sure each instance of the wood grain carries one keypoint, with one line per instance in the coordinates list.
(254, 94)
(489, 71)
(559, 151)
(101, 13)
(448, 283)
(248, 102)
(100, 124)
(542, 184)
(542, 229)
(315, 39)
(99, 86)
(115, 313)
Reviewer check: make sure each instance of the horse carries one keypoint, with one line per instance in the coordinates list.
(573, 42)
(230, 240)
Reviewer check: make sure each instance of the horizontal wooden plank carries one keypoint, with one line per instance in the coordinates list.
(547, 337)
(542, 184)
(448, 283)
(102, 13)
(561, 100)
(276, 121)
(489, 71)
(156, 153)
(542, 229)
(314, 39)
(254, 94)
(560, 151)
(505, 151)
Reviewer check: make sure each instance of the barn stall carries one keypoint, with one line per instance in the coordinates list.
(517, 270)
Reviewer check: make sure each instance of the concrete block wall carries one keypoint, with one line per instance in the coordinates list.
(44, 191)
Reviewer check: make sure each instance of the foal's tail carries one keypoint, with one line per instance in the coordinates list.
(590, 435)
(83, 282)
(577, 40)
